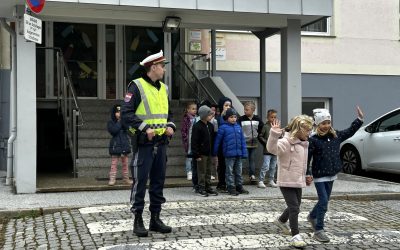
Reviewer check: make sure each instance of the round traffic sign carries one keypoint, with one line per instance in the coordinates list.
(36, 6)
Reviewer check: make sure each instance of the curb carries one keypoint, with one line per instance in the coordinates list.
(19, 213)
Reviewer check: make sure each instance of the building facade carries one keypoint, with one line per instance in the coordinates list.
(351, 58)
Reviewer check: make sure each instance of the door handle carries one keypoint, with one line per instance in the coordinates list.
(396, 139)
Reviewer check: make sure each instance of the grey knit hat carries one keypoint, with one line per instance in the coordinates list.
(204, 111)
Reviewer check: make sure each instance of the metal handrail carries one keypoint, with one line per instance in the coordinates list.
(67, 104)
(199, 86)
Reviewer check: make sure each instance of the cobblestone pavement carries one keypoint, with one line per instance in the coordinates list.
(208, 224)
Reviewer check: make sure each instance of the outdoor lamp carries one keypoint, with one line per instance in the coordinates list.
(171, 24)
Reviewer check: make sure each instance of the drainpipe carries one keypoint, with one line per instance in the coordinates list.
(13, 104)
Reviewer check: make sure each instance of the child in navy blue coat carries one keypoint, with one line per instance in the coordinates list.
(230, 134)
(324, 153)
(119, 146)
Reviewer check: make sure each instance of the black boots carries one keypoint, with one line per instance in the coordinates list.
(157, 225)
(138, 226)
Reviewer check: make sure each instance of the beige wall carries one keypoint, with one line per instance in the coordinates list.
(364, 40)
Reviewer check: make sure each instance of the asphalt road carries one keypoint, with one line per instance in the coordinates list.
(381, 176)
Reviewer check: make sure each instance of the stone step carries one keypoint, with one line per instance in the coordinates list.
(100, 167)
(103, 152)
(105, 161)
(94, 133)
(99, 116)
(94, 142)
(103, 133)
(102, 124)
(103, 171)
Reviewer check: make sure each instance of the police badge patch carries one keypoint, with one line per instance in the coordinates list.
(128, 97)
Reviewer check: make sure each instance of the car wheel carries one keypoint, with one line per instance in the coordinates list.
(351, 160)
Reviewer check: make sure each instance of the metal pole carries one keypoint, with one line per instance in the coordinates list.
(263, 82)
(74, 136)
(58, 80)
(64, 96)
(213, 52)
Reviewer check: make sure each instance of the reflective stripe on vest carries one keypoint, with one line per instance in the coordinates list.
(153, 109)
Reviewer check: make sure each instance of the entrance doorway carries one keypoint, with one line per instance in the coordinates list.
(102, 59)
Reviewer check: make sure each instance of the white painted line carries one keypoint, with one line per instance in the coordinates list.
(221, 219)
(184, 204)
(103, 209)
(262, 241)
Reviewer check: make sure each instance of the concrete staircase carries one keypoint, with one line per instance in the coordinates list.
(93, 140)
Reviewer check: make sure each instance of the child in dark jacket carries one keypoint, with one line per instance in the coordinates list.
(324, 152)
(119, 146)
(202, 148)
(231, 137)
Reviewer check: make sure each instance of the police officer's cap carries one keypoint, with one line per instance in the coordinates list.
(154, 59)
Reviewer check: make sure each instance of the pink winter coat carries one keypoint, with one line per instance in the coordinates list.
(292, 159)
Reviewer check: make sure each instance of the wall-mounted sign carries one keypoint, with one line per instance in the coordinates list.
(32, 29)
(36, 6)
(220, 54)
(195, 35)
(195, 46)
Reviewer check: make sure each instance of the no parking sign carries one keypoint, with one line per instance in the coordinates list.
(36, 6)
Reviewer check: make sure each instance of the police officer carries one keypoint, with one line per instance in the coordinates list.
(145, 112)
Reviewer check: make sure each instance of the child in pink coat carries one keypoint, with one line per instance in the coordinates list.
(291, 151)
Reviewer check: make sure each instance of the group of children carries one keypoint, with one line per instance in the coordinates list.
(307, 151)
(232, 138)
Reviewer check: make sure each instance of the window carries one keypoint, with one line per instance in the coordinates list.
(391, 123)
(321, 27)
(309, 104)
(243, 100)
(78, 42)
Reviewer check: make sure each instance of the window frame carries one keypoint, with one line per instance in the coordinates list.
(325, 100)
(313, 33)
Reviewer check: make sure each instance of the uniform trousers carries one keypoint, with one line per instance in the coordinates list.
(150, 163)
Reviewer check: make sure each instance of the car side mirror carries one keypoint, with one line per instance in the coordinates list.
(370, 129)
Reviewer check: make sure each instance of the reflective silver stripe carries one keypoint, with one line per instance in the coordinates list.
(142, 125)
(135, 178)
(171, 123)
(148, 115)
(143, 96)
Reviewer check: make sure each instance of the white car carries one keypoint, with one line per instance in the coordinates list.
(375, 146)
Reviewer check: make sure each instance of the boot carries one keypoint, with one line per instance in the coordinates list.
(138, 226)
(111, 182)
(126, 179)
(157, 225)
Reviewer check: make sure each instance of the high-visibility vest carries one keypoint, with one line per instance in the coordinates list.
(153, 109)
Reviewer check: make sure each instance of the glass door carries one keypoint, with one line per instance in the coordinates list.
(79, 44)
(139, 43)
